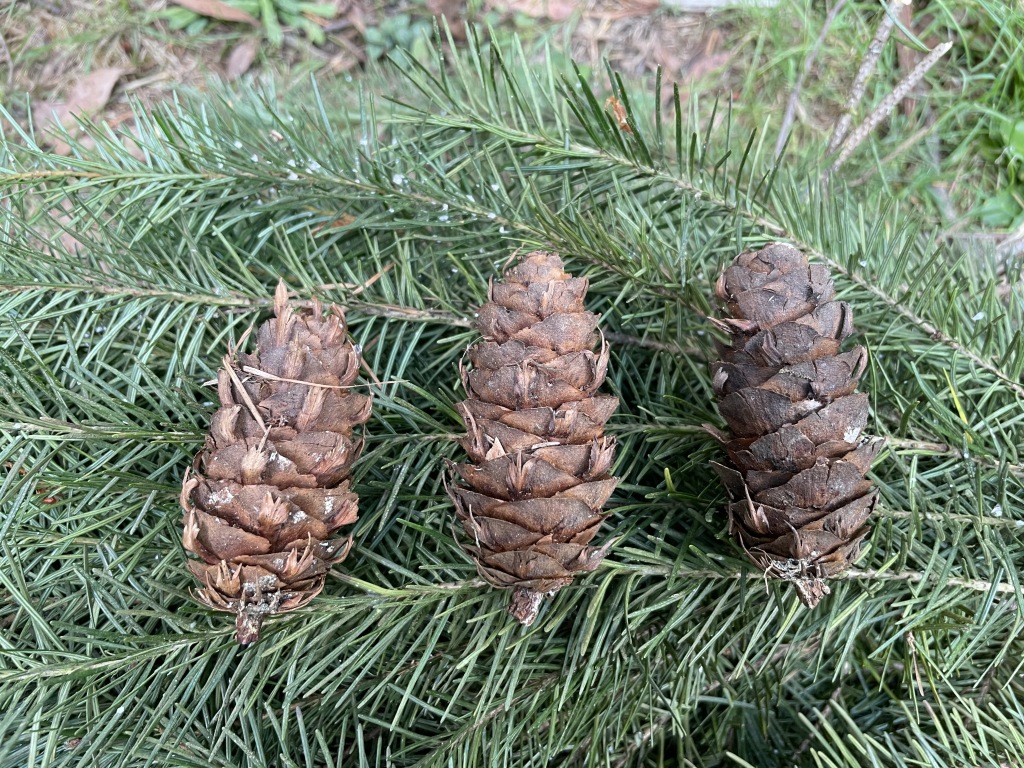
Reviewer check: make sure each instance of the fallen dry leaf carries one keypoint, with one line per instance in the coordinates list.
(87, 97)
(453, 11)
(625, 10)
(217, 9)
(91, 93)
(708, 58)
(705, 65)
(613, 105)
(556, 10)
(240, 59)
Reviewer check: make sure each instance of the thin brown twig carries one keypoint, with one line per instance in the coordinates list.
(312, 384)
(867, 68)
(794, 96)
(373, 279)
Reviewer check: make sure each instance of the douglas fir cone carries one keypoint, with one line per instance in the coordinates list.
(800, 500)
(270, 491)
(533, 495)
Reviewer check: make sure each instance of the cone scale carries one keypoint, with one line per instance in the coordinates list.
(799, 498)
(530, 501)
(268, 494)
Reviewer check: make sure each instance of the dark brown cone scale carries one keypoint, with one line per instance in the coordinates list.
(269, 491)
(799, 497)
(531, 499)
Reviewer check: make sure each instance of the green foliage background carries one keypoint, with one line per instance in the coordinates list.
(675, 652)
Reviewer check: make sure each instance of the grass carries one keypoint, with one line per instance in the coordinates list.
(942, 150)
(950, 151)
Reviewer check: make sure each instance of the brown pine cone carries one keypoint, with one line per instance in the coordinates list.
(270, 489)
(800, 500)
(535, 423)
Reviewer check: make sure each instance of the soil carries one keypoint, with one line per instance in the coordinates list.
(51, 50)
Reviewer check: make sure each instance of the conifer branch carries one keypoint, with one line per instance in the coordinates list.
(405, 657)
(923, 325)
(376, 309)
(771, 227)
(910, 577)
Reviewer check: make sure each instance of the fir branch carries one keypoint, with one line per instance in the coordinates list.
(471, 122)
(105, 355)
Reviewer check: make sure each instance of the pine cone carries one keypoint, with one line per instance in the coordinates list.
(800, 499)
(539, 476)
(263, 511)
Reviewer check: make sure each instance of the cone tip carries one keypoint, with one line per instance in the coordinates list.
(281, 305)
(537, 267)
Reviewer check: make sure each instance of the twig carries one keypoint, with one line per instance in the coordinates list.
(312, 384)
(229, 367)
(889, 103)
(794, 97)
(916, 577)
(867, 68)
(911, 577)
(359, 289)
